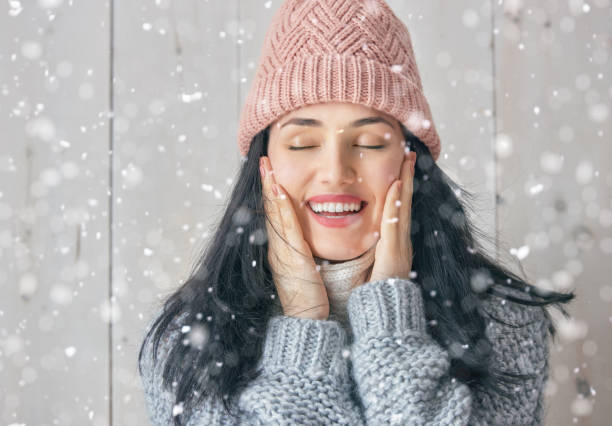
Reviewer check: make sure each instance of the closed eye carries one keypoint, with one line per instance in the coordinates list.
(299, 148)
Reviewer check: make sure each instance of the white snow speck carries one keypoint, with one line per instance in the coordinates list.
(599, 112)
(188, 98)
(584, 172)
(551, 162)
(41, 128)
(50, 4)
(504, 146)
(581, 406)
(177, 409)
(470, 18)
(522, 252)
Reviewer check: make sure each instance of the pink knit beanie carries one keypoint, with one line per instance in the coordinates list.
(318, 51)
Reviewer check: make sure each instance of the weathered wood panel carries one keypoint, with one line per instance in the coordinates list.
(554, 159)
(54, 306)
(176, 154)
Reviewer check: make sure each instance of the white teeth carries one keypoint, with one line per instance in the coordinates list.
(335, 207)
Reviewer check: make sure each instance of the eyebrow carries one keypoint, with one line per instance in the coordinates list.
(311, 122)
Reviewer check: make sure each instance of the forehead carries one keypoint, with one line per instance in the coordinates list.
(331, 107)
(333, 114)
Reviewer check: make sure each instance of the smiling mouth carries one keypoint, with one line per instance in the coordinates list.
(338, 214)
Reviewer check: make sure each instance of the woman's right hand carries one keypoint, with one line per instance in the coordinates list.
(299, 285)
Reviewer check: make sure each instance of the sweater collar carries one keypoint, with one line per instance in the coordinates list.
(341, 278)
(337, 271)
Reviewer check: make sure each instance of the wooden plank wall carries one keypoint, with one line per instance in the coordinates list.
(54, 217)
(553, 97)
(102, 215)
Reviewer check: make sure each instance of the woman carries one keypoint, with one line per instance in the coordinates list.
(384, 311)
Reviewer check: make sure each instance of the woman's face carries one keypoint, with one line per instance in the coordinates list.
(337, 161)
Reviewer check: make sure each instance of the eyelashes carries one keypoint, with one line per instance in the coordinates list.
(300, 148)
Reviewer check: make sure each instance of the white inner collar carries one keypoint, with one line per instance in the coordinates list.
(340, 279)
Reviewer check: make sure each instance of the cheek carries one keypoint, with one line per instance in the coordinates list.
(286, 176)
(291, 179)
(378, 180)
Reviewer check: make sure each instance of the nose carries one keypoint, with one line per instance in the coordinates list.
(337, 164)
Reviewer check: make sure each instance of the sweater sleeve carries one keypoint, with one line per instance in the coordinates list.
(520, 346)
(304, 380)
(402, 374)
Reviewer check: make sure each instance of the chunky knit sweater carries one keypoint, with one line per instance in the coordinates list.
(393, 372)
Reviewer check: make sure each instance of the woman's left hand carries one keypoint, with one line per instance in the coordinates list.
(393, 256)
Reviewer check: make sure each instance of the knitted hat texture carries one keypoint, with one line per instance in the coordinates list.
(318, 51)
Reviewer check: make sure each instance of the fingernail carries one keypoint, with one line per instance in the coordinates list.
(262, 171)
(275, 190)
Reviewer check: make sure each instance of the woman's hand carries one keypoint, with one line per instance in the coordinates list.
(298, 283)
(393, 256)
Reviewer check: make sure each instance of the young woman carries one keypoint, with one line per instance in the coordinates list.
(345, 284)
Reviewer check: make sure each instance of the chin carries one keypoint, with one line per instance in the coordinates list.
(336, 255)
(335, 251)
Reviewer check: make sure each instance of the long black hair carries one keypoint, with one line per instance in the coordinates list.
(230, 294)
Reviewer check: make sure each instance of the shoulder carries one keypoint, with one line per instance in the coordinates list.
(154, 352)
(513, 312)
(518, 332)
(159, 396)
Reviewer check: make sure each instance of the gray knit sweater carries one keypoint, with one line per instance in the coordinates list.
(392, 373)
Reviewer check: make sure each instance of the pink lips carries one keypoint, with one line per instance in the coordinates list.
(337, 222)
(335, 198)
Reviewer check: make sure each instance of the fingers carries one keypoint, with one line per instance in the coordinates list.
(388, 226)
(407, 178)
(398, 204)
(286, 210)
(270, 206)
(283, 207)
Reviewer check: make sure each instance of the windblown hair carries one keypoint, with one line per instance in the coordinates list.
(231, 295)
